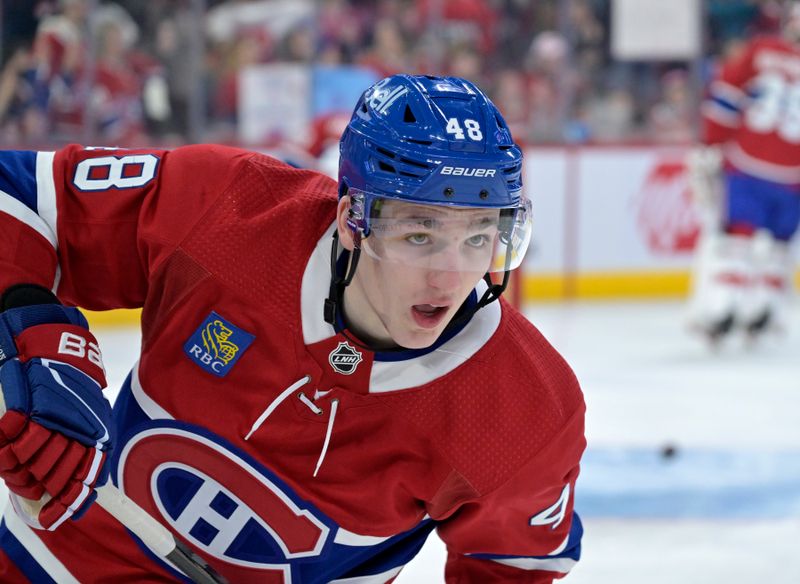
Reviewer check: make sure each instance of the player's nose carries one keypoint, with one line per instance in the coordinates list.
(444, 279)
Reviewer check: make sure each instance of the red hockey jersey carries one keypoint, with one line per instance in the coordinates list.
(753, 108)
(276, 448)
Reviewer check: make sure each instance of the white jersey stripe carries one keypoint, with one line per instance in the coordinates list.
(46, 191)
(19, 211)
(314, 290)
(344, 537)
(43, 556)
(766, 170)
(147, 403)
(562, 546)
(722, 116)
(727, 93)
(562, 565)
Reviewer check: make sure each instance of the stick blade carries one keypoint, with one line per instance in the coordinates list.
(193, 565)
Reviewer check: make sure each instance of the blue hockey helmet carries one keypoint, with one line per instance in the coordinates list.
(434, 141)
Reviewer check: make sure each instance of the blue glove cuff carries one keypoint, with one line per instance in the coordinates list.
(15, 387)
(15, 320)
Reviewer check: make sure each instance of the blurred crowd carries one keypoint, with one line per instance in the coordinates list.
(135, 72)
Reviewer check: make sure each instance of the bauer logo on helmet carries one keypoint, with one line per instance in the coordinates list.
(466, 171)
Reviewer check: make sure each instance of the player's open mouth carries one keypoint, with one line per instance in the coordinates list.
(428, 315)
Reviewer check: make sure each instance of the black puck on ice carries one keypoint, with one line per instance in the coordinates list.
(668, 451)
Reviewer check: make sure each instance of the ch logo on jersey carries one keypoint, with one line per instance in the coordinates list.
(217, 344)
(250, 535)
(344, 359)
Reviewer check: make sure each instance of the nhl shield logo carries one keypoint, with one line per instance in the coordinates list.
(344, 359)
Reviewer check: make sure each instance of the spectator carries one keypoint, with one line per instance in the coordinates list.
(570, 76)
(172, 43)
(511, 96)
(610, 116)
(387, 51)
(247, 50)
(552, 85)
(266, 19)
(23, 118)
(587, 39)
(672, 118)
(299, 45)
(122, 73)
(60, 44)
(472, 21)
(61, 41)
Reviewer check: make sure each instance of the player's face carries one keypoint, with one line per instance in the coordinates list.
(409, 290)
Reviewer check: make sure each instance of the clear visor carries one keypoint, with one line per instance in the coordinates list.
(440, 237)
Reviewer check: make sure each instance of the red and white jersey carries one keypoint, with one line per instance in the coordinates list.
(753, 108)
(277, 449)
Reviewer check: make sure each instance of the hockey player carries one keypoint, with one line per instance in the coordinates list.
(322, 381)
(752, 134)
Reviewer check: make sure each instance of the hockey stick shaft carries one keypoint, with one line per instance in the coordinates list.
(155, 536)
(152, 533)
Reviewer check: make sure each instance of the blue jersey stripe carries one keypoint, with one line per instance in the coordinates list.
(22, 558)
(395, 552)
(18, 176)
(725, 104)
(571, 551)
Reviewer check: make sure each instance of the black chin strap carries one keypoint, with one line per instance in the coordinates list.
(335, 299)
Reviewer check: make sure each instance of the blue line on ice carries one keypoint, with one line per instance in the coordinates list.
(692, 483)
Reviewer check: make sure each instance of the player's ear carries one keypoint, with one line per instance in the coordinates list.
(345, 233)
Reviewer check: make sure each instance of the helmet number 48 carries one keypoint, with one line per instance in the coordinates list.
(473, 129)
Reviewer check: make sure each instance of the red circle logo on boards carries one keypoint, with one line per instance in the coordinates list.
(666, 213)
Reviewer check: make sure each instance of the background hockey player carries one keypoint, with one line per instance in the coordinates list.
(323, 379)
(752, 129)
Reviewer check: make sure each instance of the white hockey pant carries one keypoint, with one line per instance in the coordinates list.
(741, 277)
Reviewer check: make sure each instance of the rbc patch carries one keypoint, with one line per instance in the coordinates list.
(217, 344)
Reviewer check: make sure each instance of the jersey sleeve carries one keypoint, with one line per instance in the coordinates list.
(92, 224)
(727, 97)
(527, 529)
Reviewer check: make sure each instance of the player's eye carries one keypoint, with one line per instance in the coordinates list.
(418, 238)
(479, 240)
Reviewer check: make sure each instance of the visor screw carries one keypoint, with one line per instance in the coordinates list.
(449, 192)
(484, 194)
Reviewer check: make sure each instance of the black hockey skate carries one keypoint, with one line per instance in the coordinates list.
(759, 325)
(715, 331)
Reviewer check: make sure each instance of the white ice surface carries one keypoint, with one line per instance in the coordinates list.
(733, 416)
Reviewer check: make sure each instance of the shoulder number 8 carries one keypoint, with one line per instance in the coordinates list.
(124, 172)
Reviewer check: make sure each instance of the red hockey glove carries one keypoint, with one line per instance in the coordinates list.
(56, 431)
